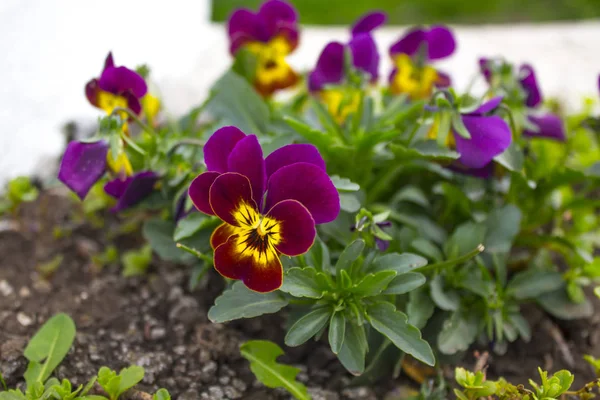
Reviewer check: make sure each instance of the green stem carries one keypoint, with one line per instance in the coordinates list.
(383, 183)
(454, 261)
(195, 253)
(133, 116)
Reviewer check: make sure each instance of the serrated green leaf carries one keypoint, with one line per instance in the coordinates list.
(48, 347)
(307, 326)
(457, 334)
(349, 255)
(405, 283)
(240, 302)
(427, 150)
(305, 282)
(263, 363)
(465, 238)
(412, 194)
(337, 331)
(372, 284)
(321, 140)
(512, 158)
(349, 202)
(503, 225)
(344, 184)
(446, 299)
(394, 325)
(533, 283)
(401, 263)
(559, 305)
(427, 248)
(191, 224)
(354, 349)
(420, 307)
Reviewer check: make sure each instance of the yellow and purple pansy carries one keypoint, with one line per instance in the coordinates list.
(269, 206)
(131, 190)
(412, 56)
(549, 125)
(270, 34)
(329, 76)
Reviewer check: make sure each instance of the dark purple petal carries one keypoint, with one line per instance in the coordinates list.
(438, 39)
(219, 146)
(369, 22)
(133, 103)
(484, 67)
(490, 136)
(530, 85)
(550, 126)
(443, 80)
(484, 172)
(329, 69)
(308, 184)
(109, 62)
(119, 80)
(291, 154)
(246, 159)
(181, 210)
(365, 55)
(382, 245)
(487, 106)
(409, 43)
(131, 190)
(231, 193)
(279, 17)
(243, 27)
(91, 92)
(82, 165)
(296, 227)
(199, 191)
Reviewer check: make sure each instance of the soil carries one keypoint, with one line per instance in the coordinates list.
(155, 321)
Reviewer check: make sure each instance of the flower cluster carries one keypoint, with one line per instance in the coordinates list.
(257, 228)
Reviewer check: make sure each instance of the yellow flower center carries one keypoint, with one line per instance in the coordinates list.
(271, 64)
(435, 130)
(341, 102)
(257, 235)
(121, 165)
(108, 102)
(413, 80)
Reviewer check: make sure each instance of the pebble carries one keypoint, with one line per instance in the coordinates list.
(157, 333)
(24, 292)
(5, 288)
(24, 319)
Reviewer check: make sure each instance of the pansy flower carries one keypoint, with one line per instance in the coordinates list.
(548, 125)
(131, 190)
(412, 56)
(268, 206)
(270, 35)
(490, 136)
(82, 165)
(329, 77)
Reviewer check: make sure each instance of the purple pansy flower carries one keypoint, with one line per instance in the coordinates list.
(256, 228)
(82, 165)
(412, 55)
(270, 34)
(116, 87)
(549, 125)
(131, 190)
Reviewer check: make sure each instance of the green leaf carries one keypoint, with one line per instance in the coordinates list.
(349, 202)
(512, 158)
(110, 382)
(394, 325)
(262, 356)
(427, 248)
(405, 283)
(305, 282)
(337, 331)
(464, 239)
(459, 126)
(307, 326)
(426, 150)
(159, 234)
(136, 262)
(457, 334)
(412, 194)
(321, 140)
(559, 305)
(240, 302)
(373, 284)
(420, 307)
(235, 102)
(191, 224)
(344, 184)
(49, 345)
(319, 256)
(448, 300)
(161, 394)
(349, 255)
(130, 377)
(533, 283)
(401, 263)
(354, 348)
(503, 225)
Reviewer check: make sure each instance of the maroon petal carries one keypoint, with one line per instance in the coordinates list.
(230, 193)
(82, 165)
(109, 62)
(329, 69)
(443, 80)
(243, 27)
(119, 80)
(221, 234)
(490, 136)
(199, 191)
(550, 126)
(484, 67)
(246, 158)
(131, 190)
(296, 227)
(308, 184)
(291, 154)
(91, 92)
(365, 55)
(133, 103)
(369, 22)
(530, 85)
(219, 146)
(279, 18)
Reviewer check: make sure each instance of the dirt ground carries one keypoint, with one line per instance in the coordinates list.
(156, 322)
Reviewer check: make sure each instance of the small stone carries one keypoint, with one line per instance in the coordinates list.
(359, 393)
(84, 295)
(157, 333)
(186, 310)
(5, 288)
(24, 292)
(208, 372)
(216, 393)
(179, 350)
(24, 319)
(321, 394)
(224, 380)
(188, 395)
(239, 384)
(231, 393)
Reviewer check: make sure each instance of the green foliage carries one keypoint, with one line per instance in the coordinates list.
(263, 356)
(136, 262)
(116, 384)
(18, 190)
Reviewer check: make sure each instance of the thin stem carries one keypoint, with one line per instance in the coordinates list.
(454, 261)
(133, 116)
(383, 183)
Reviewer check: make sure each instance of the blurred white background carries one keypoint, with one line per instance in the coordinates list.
(51, 48)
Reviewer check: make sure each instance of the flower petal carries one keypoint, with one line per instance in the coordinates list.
(530, 85)
(131, 190)
(550, 127)
(82, 165)
(365, 55)
(219, 146)
(280, 18)
(487, 106)
(369, 22)
(296, 227)
(485, 172)
(291, 154)
(308, 184)
(409, 43)
(228, 193)
(329, 69)
(484, 67)
(119, 80)
(243, 27)
(221, 234)
(439, 40)
(443, 79)
(199, 191)
(133, 103)
(109, 62)
(91, 92)
(261, 272)
(246, 158)
(490, 136)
